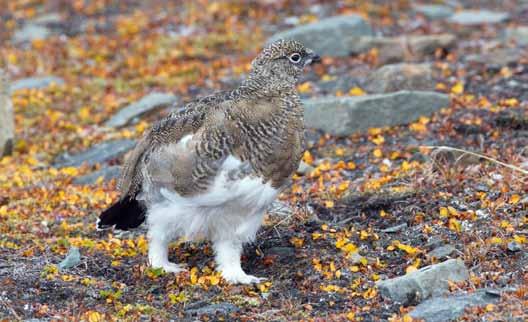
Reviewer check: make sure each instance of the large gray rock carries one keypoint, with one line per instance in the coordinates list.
(7, 121)
(107, 173)
(497, 57)
(147, 104)
(434, 11)
(398, 49)
(426, 282)
(478, 17)
(99, 153)
(37, 82)
(335, 36)
(518, 35)
(30, 32)
(343, 116)
(440, 309)
(397, 77)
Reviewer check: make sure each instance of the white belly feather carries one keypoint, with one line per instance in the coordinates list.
(229, 207)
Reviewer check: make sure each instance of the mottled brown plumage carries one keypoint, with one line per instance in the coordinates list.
(211, 168)
(260, 122)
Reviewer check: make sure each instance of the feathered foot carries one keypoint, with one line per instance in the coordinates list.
(227, 255)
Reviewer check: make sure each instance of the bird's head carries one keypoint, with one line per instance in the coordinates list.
(282, 62)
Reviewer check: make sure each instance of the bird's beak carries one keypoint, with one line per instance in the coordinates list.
(312, 59)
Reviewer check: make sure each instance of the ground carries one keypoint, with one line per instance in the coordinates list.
(326, 247)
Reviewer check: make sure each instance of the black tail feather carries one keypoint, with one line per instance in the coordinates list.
(125, 214)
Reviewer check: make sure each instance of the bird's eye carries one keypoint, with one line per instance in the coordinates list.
(295, 58)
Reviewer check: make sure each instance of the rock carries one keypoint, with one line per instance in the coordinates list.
(497, 57)
(36, 82)
(441, 309)
(519, 35)
(47, 19)
(97, 154)
(397, 77)
(223, 308)
(30, 32)
(398, 49)
(343, 116)
(148, 103)
(73, 258)
(280, 208)
(514, 246)
(281, 251)
(442, 251)
(304, 168)
(321, 36)
(434, 11)
(394, 229)
(107, 173)
(7, 130)
(478, 17)
(426, 282)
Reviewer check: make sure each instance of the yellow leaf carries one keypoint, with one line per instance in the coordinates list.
(304, 87)
(94, 317)
(377, 153)
(378, 140)
(214, 279)
(329, 204)
(515, 199)
(458, 88)
(307, 157)
(454, 225)
(407, 318)
(297, 242)
(444, 212)
(356, 91)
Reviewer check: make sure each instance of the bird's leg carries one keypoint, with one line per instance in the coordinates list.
(158, 252)
(227, 256)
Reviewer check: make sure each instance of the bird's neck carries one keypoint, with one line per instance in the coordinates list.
(261, 86)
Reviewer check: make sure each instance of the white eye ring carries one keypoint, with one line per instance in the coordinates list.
(295, 58)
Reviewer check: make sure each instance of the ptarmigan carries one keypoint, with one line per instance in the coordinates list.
(210, 169)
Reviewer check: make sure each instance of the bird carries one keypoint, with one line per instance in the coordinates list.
(210, 169)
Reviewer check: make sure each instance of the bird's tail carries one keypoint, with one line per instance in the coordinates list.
(125, 214)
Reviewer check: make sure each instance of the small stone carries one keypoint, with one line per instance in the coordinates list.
(37, 82)
(434, 11)
(99, 153)
(321, 35)
(73, 258)
(518, 35)
(147, 104)
(304, 168)
(343, 116)
(397, 77)
(395, 229)
(441, 309)
(223, 308)
(107, 173)
(426, 282)
(442, 251)
(514, 246)
(478, 17)
(281, 251)
(7, 121)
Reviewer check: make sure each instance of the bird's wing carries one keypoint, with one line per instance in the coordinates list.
(180, 152)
